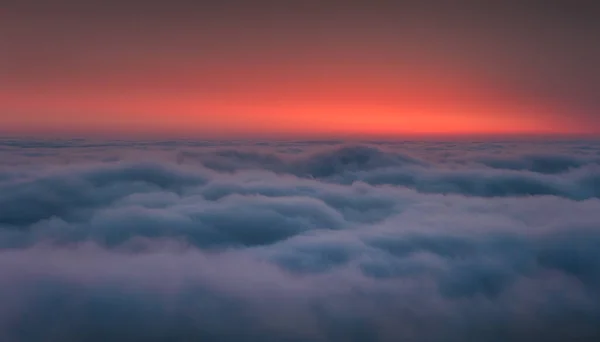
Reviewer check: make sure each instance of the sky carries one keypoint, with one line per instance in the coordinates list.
(246, 69)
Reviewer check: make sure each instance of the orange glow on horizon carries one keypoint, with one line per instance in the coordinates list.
(348, 111)
(258, 70)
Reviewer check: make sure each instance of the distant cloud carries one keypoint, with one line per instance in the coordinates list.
(299, 242)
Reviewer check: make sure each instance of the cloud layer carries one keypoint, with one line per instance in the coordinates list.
(299, 241)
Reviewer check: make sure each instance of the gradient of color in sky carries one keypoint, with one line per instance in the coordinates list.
(238, 69)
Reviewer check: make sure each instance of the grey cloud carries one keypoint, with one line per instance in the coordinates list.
(548, 164)
(374, 242)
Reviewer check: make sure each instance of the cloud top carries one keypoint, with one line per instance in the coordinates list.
(179, 241)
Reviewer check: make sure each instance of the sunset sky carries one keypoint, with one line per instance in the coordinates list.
(238, 69)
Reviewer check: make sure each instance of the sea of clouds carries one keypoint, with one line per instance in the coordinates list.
(299, 241)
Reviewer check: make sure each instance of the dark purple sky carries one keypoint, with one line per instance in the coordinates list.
(300, 67)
